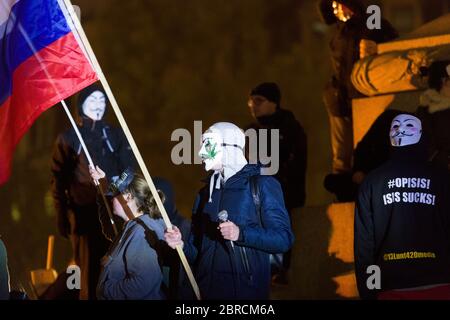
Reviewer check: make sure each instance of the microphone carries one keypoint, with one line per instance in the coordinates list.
(223, 217)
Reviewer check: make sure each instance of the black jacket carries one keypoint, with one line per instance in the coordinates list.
(344, 47)
(375, 147)
(293, 155)
(72, 186)
(402, 223)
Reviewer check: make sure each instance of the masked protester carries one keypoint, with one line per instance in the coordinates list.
(371, 152)
(239, 218)
(74, 192)
(132, 267)
(402, 222)
(348, 18)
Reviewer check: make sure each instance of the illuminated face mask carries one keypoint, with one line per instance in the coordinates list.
(341, 12)
(211, 151)
(94, 106)
(405, 130)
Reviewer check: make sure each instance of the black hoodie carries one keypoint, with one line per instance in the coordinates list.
(72, 186)
(402, 223)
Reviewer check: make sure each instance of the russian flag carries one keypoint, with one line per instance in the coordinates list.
(41, 63)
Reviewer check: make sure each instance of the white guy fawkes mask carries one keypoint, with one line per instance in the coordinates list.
(94, 106)
(211, 151)
(405, 130)
(223, 152)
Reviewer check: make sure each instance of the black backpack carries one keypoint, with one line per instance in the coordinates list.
(275, 261)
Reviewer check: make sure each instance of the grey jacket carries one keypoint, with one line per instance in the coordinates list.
(131, 270)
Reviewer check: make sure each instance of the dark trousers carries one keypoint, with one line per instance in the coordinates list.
(89, 246)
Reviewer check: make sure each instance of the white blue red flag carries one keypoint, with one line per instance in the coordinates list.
(41, 63)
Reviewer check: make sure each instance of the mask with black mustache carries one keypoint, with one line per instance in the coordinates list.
(94, 106)
(405, 130)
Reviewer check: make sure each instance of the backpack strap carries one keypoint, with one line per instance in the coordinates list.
(256, 194)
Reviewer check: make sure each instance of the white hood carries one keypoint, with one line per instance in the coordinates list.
(228, 142)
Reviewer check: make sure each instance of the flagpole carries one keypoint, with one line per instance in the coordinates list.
(121, 119)
(44, 69)
(77, 132)
(91, 163)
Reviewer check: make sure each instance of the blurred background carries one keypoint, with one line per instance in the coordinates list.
(170, 63)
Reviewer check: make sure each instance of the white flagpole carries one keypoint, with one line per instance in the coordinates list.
(91, 56)
(74, 125)
(91, 163)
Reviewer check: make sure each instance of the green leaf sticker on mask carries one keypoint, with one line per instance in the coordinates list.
(210, 148)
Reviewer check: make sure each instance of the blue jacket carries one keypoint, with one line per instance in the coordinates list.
(132, 270)
(220, 269)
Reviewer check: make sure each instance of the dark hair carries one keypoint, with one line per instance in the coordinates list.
(145, 201)
(437, 72)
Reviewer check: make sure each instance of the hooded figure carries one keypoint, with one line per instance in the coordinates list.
(222, 151)
(231, 235)
(73, 190)
(348, 18)
(402, 221)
